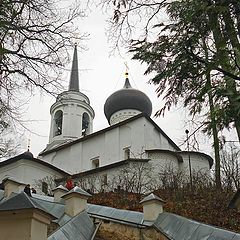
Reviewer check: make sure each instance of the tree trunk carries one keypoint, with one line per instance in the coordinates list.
(225, 63)
(213, 121)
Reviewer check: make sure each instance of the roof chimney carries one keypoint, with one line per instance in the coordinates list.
(152, 207)
(75, 201)
(58, 192)
(11, 186)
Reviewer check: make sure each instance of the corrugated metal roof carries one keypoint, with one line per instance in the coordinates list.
(179, 228)
(79, 227)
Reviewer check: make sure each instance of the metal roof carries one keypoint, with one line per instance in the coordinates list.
(127, 98)
(22, 201)
(79, 191)
(79, 227)
(179, 228)
(173, 226)
(56, 209)
(60, 187)
(117, 215)
(27, 158)
(151, 197)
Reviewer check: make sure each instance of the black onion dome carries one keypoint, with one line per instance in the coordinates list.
(127, 98)
(28, 154)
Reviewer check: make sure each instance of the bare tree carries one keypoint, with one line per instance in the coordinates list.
(9, 143)
(45, 185)
(34, 39)
(231, 166)
(136, 177)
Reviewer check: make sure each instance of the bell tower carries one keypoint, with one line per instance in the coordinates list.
(71, 114)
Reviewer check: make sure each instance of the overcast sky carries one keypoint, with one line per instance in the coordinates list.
(100, 75)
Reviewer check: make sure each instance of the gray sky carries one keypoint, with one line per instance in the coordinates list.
(100, 76)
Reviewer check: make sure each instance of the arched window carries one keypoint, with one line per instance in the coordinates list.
(85, 124)
(58, 118)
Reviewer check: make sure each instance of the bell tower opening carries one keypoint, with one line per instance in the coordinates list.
(85, 124)
(58, 118)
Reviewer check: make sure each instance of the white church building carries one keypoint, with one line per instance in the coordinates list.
(75, 150)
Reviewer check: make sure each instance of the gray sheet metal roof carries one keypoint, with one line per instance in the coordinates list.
(56, 209)
(77, 190)
(117, 215)
(179, 228)
(22, 201)
(79, 227)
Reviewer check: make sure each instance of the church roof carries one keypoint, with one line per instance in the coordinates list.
(21, 201)
(127, 98)
(106, 167)
(23, 156)
(178, 154)
(177, 228)
(63, 146)
(79, 227)
(74, 79)
(210, 160)
(174, 153)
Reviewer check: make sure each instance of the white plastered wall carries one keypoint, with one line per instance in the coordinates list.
(27, 172)
(109, 147)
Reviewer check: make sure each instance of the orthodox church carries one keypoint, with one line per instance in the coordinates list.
(75, 150)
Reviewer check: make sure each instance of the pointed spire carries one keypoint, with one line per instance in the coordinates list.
(74, 79)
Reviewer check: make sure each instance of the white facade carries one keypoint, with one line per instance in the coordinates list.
(138, 135)
(28, 171)
(109, 146)
(74, 148)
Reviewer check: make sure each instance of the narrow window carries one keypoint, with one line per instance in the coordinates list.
(127, 153)
(95, 163)
(45, 188)
(85, 124)
(58, 117)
